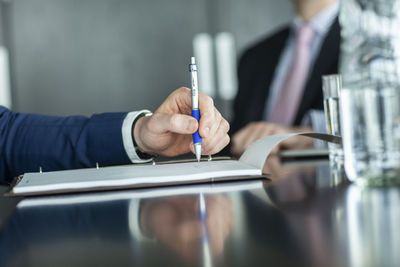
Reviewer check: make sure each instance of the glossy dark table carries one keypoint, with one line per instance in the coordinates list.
(306, 215)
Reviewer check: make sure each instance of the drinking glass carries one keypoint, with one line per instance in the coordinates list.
(331, 86)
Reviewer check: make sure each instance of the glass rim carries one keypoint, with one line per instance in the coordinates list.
(330, 76)
(331, 85)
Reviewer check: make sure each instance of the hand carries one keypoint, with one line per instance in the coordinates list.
(168, 131)
(257, 130)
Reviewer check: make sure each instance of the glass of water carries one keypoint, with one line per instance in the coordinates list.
(370, 97)
(331, 86)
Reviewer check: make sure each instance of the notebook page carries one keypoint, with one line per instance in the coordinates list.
(133, 175)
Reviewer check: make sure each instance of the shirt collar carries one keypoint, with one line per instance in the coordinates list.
(322, 21)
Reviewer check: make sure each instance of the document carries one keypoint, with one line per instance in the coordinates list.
(249, 166)
(133, 176)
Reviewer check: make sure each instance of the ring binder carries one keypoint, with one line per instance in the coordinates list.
(173, 172)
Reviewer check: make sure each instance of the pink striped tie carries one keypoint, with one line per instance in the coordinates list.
(288, 101)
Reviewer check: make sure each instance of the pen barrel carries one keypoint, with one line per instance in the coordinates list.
(196, 135)
(195, 91)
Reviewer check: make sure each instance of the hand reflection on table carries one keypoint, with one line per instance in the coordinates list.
(175, 222)
(299, 192)
(289, 182)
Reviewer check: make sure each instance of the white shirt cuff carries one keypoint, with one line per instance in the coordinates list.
(127, 136)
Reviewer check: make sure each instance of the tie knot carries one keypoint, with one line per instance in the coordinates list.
(305, 34)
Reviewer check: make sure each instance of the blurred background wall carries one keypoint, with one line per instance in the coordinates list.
(85, 56)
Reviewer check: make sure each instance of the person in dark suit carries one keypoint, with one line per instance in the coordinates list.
(280, 77)
(29, 141)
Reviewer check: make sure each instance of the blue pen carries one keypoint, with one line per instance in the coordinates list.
(195, 107)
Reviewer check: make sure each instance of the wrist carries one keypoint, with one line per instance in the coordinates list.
(140, 148)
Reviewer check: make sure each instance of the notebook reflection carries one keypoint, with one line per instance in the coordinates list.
(125, 225)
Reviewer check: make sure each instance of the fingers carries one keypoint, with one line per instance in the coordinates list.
(210, 148)
(297, 142)
(174, 116)
(240, 138)
(176, 123)
(257, 132)
(213, 127)
(251, 133)
(216, 142)
(210, 116)
(179, 101)
(217, 137)
(209, 123)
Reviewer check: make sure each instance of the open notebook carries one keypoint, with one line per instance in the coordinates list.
(249, 166)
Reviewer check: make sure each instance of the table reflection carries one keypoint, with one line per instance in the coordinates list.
(305, 196)
(302, 193)
(369, 229)
(98, 228)
(307, 214)
(334, 222)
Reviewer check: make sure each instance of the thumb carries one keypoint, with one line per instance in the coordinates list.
(176, 123)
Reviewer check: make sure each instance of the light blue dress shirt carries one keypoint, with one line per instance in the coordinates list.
(321, 24)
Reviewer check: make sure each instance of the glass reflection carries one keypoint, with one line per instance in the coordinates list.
(336, 223)
(336, 168)
(372, 220)
(305, 193)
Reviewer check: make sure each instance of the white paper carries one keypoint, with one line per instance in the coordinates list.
(256, 154)
(133, 175)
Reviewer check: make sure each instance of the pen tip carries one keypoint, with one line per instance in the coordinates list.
(193, 60)
(198, 156)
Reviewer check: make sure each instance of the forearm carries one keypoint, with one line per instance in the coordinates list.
(54, 143)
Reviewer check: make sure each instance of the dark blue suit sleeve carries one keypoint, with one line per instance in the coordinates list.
(28, 141)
